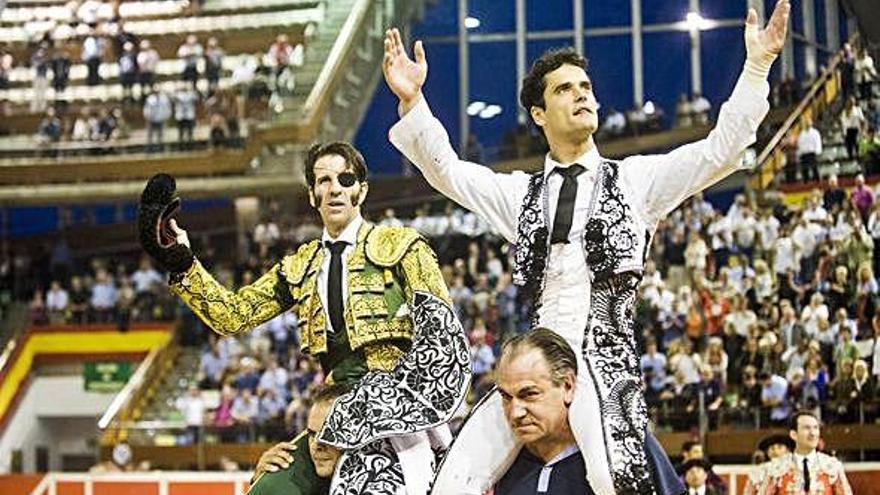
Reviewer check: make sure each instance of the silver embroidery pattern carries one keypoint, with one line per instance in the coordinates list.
(423, 390)
(373, 469)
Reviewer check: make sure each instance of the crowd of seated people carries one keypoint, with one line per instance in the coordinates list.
(743, 315)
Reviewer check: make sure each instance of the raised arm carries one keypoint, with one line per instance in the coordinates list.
(225, 311)
(667, 180)
(230, 312)
(424, 141)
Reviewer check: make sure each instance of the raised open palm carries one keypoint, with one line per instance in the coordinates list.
(404, 76)
(771, 39)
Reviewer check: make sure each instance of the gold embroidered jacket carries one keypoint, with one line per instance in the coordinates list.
(385, 267)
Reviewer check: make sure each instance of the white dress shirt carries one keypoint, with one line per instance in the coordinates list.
(349, 235)
(657, 184)
(697, 491)
(809, 141)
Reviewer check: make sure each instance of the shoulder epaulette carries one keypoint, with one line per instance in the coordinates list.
(387, 245)
(296, 265)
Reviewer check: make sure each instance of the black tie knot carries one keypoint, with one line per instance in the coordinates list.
(336, 247)
(571, 171)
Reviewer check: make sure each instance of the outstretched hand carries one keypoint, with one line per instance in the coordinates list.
(404, 76)
(764, 45)
(772, 37)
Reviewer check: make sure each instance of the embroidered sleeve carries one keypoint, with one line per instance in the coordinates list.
(493, 196)
(231, 312)
(422, 273)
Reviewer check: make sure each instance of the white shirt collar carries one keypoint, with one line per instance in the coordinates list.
(590, 160)
(349, 234)
(800, 458)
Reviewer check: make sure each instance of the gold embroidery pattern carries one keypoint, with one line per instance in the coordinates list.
(387, 245)
(382, 357)
(370, 332)
(422, 272)
(296, 267)
(225, 311)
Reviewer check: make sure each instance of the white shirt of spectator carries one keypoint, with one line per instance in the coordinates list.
(495, 268)
(764, 285)
(482, 358)
(82, 131)
(185, 101)
(92, 47)
(809, 141)
(741, 321)
(144, 280)
(806, 239)
(192, 408)
(695, 254)
(745, 231)
(148, 60)
(56, 300)
(787, 256)
(701, 105)
(841, 230)
(864, 68)
(348, 235)
(266, 233)
(275, 379)
(688, 364)
(615, 122)
(816, 213)
(852, 119)
(768, 231)
(810, 317)
(248, 409)
(103, 295)
(720, 230)
(874, 225)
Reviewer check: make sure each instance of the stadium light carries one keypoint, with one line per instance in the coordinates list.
(693, 21)
(490, 111)
(475, 108)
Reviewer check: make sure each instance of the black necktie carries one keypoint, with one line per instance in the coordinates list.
(565, 205)
(334, 287)
(806, 477)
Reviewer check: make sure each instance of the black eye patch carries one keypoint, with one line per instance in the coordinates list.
(346, 179)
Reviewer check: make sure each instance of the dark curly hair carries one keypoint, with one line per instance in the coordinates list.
(352, 157)
(532, 92)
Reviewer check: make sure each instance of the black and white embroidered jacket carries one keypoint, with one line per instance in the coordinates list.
(585, 289)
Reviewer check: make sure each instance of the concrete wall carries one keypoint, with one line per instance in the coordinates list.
(56, 413)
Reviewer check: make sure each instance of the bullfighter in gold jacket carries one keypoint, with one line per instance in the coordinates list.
(372, 307)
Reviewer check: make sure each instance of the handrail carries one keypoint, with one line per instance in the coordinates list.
(799, 110)
(337, 54)
(127, 400)
(774, 145)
